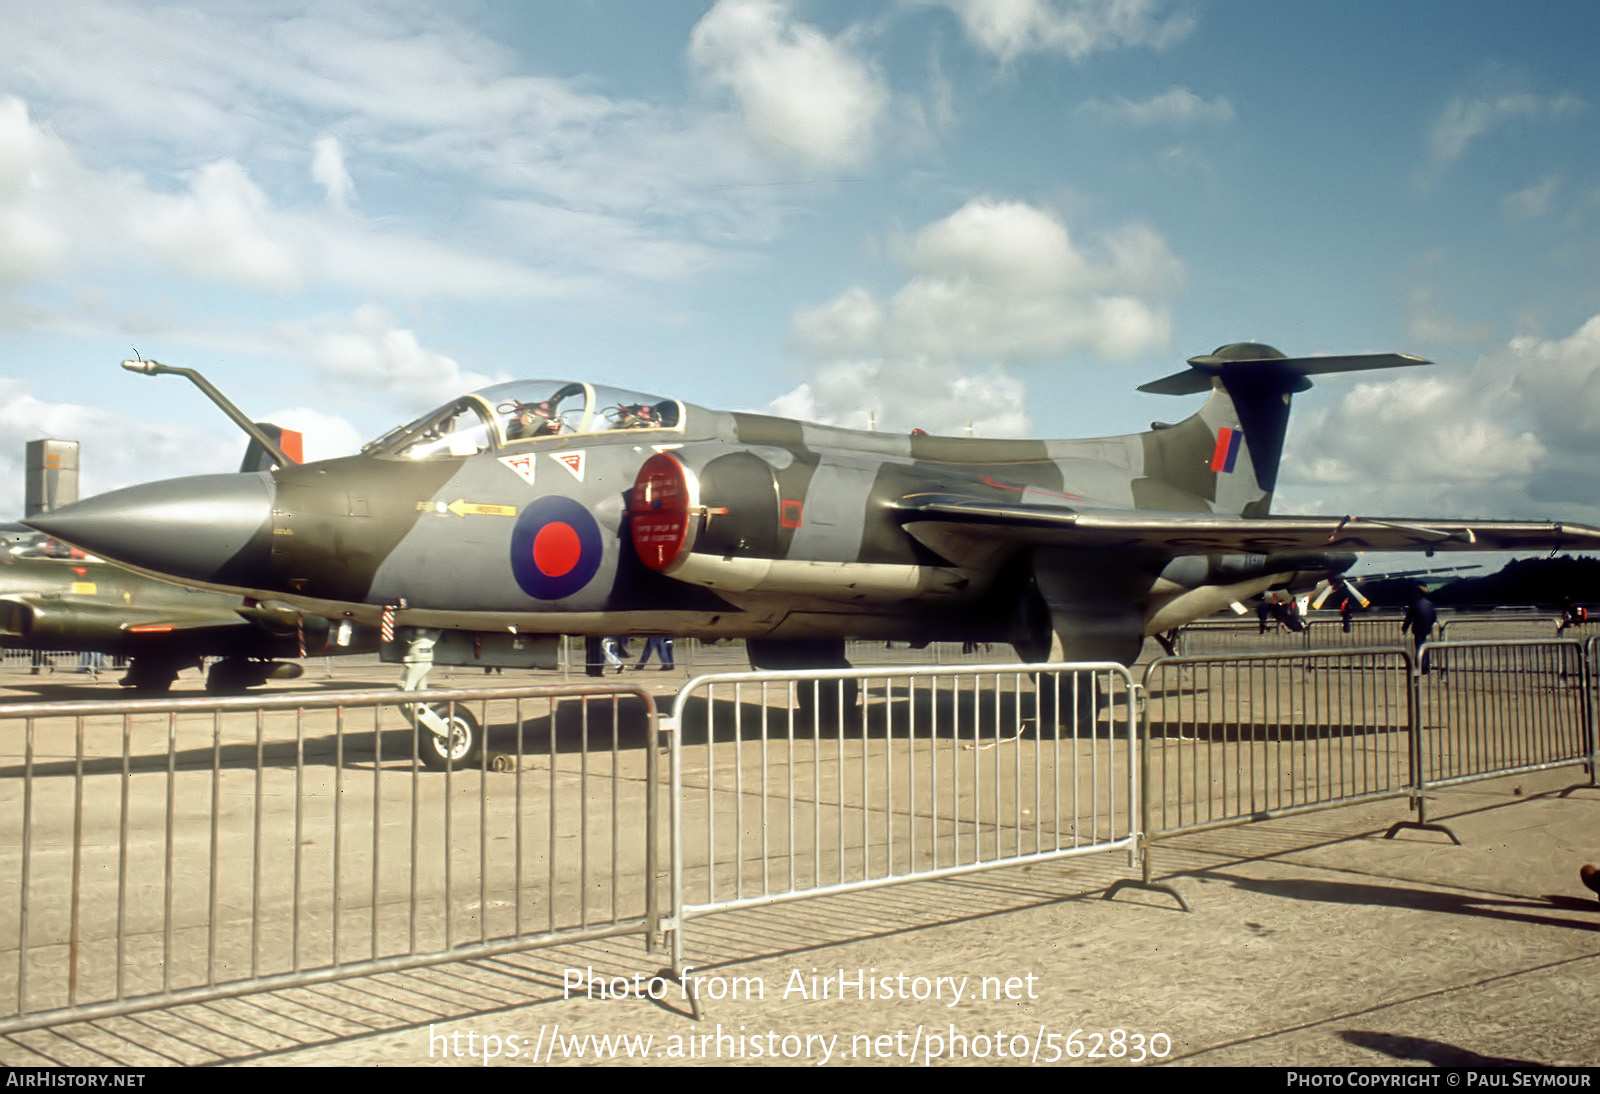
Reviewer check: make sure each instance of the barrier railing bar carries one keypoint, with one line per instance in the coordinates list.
(167, 864)
(92, 1012)
(375, 885)
(878, 882)
(123, 824)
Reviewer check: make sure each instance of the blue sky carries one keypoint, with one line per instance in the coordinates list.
(918, 213)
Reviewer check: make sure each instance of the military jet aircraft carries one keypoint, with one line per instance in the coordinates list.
(55, 598)
(540, 508)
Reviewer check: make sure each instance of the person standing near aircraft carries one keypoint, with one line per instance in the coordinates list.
(616, 652)
(1572, 615)
(662, 646)
(1347, 602)
(1419, 620)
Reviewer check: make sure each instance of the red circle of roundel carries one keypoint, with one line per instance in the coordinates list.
(658, 512)
(555, 548)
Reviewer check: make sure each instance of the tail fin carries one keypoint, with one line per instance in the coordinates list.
(257, 458)
(1251, 386)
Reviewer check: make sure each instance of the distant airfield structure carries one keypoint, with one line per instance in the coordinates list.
(52, 475)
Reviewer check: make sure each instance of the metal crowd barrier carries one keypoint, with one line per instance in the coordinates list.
(52, 661)
(1267, 734)
(938, 654)
(1327, 630)
(784, 787)
(1591, 663)
(1237, 739)
(188, 850)
(1322, 630)
(1500, 626)
(1493, 708)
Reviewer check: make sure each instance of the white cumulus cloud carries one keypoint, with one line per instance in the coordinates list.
(222, 228)
(799, 92)
(1514, 435)
(329, 172)
(32, 236)
(1469, 117)
(367, 352)
(993, 287)
(1533, 201)
(1073, 28)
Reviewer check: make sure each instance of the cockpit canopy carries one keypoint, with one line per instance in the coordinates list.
(523, 411)
(31, 544)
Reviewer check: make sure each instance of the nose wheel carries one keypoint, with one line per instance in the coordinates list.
(449, 737)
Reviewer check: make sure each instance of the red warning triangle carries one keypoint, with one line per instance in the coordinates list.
(522, 465)
(572, 461)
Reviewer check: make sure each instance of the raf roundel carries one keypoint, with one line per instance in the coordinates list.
(555, 548)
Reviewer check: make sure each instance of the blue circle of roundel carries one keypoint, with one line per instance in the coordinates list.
(555, 548)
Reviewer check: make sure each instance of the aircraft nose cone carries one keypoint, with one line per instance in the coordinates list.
(207, 528)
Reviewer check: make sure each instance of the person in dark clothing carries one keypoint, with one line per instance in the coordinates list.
(1572, 615)
(1418, 622)
(1344, 600)
(594, 657)
(662, 647)
(1287, 612)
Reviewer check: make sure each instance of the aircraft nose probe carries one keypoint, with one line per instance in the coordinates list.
(251, 429)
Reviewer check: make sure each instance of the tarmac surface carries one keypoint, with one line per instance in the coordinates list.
(1313, 941)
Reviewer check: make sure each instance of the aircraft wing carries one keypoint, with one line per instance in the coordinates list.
(936, 518)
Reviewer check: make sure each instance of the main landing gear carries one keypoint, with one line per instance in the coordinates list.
(449, 737)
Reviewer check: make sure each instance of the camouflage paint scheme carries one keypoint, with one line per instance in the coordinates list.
(550, 508)
(51, 600)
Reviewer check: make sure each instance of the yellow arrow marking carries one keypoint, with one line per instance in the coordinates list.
(467, 508)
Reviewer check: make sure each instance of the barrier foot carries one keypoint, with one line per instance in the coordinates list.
(1147, 886)
(689, 993)
(1422, 826)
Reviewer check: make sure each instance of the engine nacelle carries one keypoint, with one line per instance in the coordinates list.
(63, 625)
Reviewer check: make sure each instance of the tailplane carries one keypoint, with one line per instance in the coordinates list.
(1248, 413)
